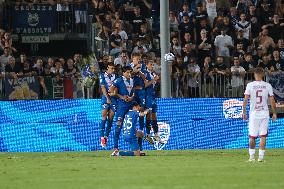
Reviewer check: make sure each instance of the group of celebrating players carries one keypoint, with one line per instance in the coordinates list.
(131, 96)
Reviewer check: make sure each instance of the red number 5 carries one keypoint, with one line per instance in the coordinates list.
(258, 97)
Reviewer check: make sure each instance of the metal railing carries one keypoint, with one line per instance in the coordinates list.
(210, 85)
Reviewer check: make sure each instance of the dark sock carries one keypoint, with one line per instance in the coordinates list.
(140, 144)
(102, 127)
(148, 126)
(109, 126)
(116, 136)
(141, 123)
(127, 153)
(155, 126)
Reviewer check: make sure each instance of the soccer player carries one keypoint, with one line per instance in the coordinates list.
(259, 92)
(150, 88)
(123, 90)
(139, 88)
(130, 132)
(108, 102)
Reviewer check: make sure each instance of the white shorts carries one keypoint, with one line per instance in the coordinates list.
(258, 127)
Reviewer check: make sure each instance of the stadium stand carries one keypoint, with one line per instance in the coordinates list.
(216, 43)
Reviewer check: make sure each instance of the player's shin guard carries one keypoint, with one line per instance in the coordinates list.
(127, 153)
(102, 127)
(116, 135)
(155, 126)
(109, 126)
(148, 126)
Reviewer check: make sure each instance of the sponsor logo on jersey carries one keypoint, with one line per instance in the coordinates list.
(232, 109)
(164, 132)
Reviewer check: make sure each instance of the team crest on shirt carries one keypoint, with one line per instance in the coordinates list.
(164, 132)
(232, 109)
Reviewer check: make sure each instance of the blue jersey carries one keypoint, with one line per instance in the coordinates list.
(124, 87)
(107, 81)
(130, 124)
(151, 89)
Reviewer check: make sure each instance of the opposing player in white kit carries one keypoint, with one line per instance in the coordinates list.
(259, 93)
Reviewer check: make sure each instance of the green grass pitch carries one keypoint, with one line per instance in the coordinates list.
(208, 169)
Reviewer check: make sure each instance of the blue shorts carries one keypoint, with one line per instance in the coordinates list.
(106, 106)
(140, 97)
(121, 111)
(151, 104)
(133, 143)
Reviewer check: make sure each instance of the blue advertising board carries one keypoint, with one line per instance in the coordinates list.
(73, 125)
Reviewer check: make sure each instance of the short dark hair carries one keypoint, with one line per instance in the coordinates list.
(259, 71)
(126, 68)
(110, 64)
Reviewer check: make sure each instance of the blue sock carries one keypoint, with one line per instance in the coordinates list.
(109, 126)
(116, 135)
(148, 126)
(102, 127)
(141, 123)
(155, 126)
(127, 153)
(140, 144)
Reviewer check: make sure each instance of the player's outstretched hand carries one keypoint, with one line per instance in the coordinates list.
(274, 117)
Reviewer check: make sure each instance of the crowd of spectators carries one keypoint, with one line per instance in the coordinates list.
(215, 42)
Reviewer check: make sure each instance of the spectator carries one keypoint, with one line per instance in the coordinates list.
(175, 46)
(122, 33)
(13, 69)
(241, 40)
(139, 48)
(223, 44)
(57, 70)
(137, 20)
(70, 70)
(207, 77)
(192, 75)
(276, 63)
(78, 61)
(233, 15)
(266, 65)
(237, 81)
(200, 14)
(204, 26)
(220, 72)
(4, 58)
(173, 21)
(204, 47)
(115, 43)
(275, 29)
(280, 46)
(248, 64)
(211, 9)
(186, 27)
(122, 60)
(178, 70)
(255, 21)
(144, 35)
(240, 53)
(185, 12)
(157, 66)
(187, 39)
(265, 41)
(244, 26)
(188, 53)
